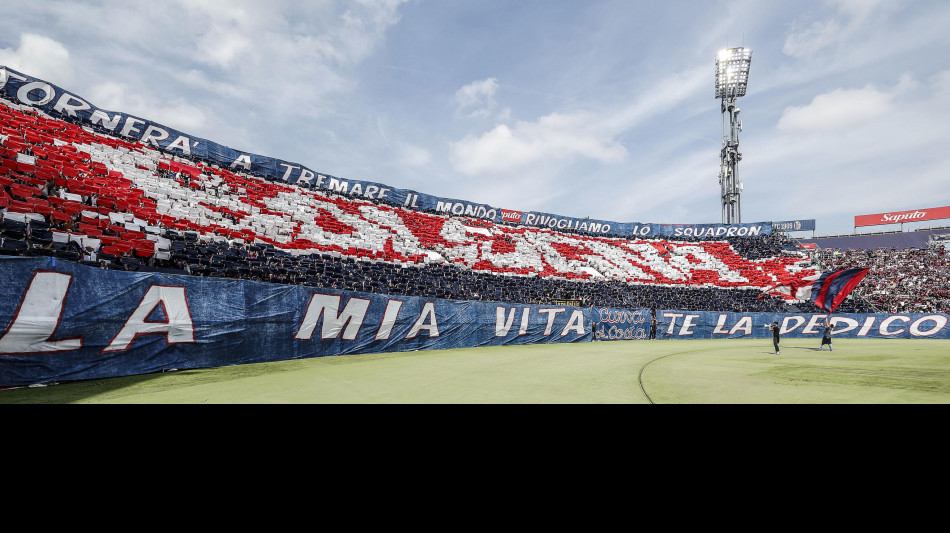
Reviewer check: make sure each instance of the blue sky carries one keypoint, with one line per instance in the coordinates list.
(579, 108)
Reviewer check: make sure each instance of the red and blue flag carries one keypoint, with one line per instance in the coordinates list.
(826, 290)
(831, 288)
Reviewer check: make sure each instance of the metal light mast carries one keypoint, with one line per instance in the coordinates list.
(732, 78)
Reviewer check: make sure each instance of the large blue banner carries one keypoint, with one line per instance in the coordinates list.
(717, 325)
(65, 321)
(57, 102)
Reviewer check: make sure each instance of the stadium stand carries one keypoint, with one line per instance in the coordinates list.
(892, 240)
(907, 280)
(76, 194)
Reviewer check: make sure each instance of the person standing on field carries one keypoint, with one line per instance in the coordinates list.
(775, 336)
(826, 336)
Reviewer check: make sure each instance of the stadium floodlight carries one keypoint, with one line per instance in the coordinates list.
(732, 72)
(732, 78)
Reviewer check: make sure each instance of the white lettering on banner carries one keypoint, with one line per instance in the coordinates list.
(290, 169)
(720, 322)
(182, 143)
(242, 161)
(813, 323)
(389, 320)
(904, 216)
(153, 134)
(426, 321)
(799, 320)
(732, 231)
(687, 326)
(523, 330)
(177, 328)
(939, 321)
(38, 316)
(339, 186)
(504, 322)
(328, 305)
(131, 126)
(5, 76)
(850, 324)
(305, 175)
(511, 216)
(460, 209)
(615, 316)
(619, 333)
(532, 219)
(502, 326)
(923, 326)
(672, 317)
(23, 94)
(866, 328)
(743, 325)
(350, 320)
(640, 231)
(99, 117)
(552, 313)
(63, 105)
(575, 323)
(885, 325)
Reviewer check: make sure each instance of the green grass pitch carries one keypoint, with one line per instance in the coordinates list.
(618, 372)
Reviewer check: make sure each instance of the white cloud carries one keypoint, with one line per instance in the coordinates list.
(296, 55)
(842, 109)
(850, 16)
(818, 35)
(559, 138)
(415, 156)
(41, 57)
(552, 138)
(477, 99)
(941, 86)
(892, 157)
(176, 113)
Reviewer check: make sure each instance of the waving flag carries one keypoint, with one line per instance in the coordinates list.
(826, 290)
(832, 288)
(795, 290)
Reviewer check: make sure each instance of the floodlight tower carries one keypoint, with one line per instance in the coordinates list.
(732, 78)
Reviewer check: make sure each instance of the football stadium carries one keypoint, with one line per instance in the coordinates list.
(140, 263)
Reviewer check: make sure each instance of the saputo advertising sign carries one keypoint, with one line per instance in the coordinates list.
(896, 217)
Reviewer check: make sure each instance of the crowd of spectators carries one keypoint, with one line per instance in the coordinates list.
(909, 280)
(266, 263)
